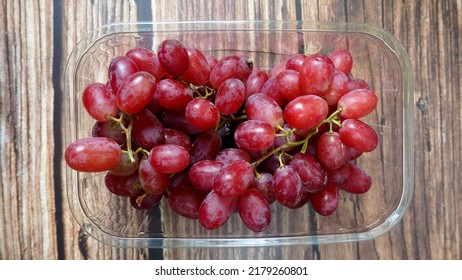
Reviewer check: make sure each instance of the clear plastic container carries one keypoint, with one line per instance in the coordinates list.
(378, 58)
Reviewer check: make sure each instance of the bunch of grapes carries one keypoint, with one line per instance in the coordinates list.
(216, 136)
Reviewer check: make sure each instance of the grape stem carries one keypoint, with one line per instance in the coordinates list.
(127, 131)
(332, 119)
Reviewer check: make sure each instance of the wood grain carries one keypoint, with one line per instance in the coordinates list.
(38, 36)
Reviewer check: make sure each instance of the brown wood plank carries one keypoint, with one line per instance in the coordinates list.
(27, 227)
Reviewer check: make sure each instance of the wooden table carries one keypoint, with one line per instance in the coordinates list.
(37, 37)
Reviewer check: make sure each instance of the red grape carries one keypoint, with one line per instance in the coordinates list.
(262, 107)
(306, 112)
(230, 96)
(206, 145)
(358, 181)
(338, 88)
(185, 201)
(99, 101)
(326, 201)
(202, 174)
(119, 70)
(295, 62)
(311, 173)
(331, 150)
(94, 154)
(174, 136)
(147, 130)
(287, 84)
(169, 158)
(136, 92)
(123, 185)
(264, 184)
(233, 178)
(232, 154)
(358, 135)
(151, 180)
(287, 186)
(254, 210)
(357, 103)
(215, 210)
(126, 166)
(316, 74)
(231, 66)
(198, 72)
(110, 130)
(255, 82)
(172, 95)
(342, 60)
(147, 60)
(202, 114)
(254, 135)
(173, 56)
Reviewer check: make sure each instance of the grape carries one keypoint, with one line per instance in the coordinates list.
(304, 198)
(254, 135)
(126, 166)
(173, 56)
(254, 210)
(316, 74)
(177, 120)
(270, 88)
(230, 96)
(151, 180)
(233, 178)
(179, 179)
(147, 130)
(331, 150)
(110, 130)
(174, 136)
(232, 154)
(172, 95)
(357, 103)
(136, 92)
(215, 210)
(231, 66)
(352, 154)
(338, 176)
(145, 201)
(99, 101)
(295, 62)
(358, 182)
(311, 173)
(278, 68)
(206, 145)
(326, 201)
(264, 184)
(287, 186)
(185, 201)
(212, 61)
(356, 83)
(169, 158)
(255, 82)
(123, 185)
(343, 61)
(93, 154)
(198, 72)
(262, 107)
(202, 114)
(146, 60)
(202, 174)
(287, 84)
(338, 88)
(358, 135)
(306, 112)
(119, 70)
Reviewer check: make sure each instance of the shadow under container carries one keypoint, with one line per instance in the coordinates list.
(379, 59)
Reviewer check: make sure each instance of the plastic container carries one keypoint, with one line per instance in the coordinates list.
(378, 58)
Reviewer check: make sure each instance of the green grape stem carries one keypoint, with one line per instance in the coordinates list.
(332, 119)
